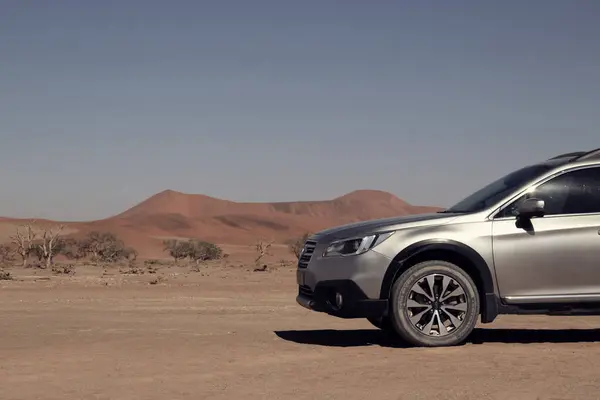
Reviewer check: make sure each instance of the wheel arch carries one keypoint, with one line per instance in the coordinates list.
(452, 251)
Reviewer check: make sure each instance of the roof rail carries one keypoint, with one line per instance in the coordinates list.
(589, 155)
(575, 154)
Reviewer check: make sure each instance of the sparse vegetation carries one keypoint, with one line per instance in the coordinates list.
(46, 242)
(157, 280)
(134, 269)
(105, 247)
(72, 249)
(23, 240)
(195, 250)
(49, 244)
(177, 249)
(63, 269)
(7, 254)
(200, 251)
(5, 276)
(262, 248)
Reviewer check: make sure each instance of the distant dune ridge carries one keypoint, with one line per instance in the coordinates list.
(171, 214)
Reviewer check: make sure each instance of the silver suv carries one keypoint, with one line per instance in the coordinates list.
(528, 243)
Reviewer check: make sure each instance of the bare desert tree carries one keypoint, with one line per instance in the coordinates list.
(23, 240)
(49, 244)
(262, 248)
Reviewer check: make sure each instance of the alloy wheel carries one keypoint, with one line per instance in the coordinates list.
(436, 305)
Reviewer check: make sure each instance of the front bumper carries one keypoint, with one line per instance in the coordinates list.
(358, 279)
(355, 303)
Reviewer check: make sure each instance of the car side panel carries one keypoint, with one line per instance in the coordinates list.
(557, 255)
(474, 234)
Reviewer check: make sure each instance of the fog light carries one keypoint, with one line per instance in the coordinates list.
(339, 300)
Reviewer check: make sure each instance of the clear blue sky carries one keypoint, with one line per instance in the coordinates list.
(105, 103)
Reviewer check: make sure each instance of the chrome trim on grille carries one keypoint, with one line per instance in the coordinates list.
(306, 254)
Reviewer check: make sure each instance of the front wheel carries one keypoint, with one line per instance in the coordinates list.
(434, 303)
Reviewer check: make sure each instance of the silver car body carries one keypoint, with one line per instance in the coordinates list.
(556, 263)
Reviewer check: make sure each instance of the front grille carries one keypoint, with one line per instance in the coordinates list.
(306, 255)
(305, 291)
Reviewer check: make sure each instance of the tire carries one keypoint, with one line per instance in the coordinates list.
(383, 323)
(458, 308)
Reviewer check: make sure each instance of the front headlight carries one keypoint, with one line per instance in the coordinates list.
(355, 246)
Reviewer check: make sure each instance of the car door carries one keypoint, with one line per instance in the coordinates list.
(555, 258)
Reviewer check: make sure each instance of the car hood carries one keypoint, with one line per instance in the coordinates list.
(381, 225)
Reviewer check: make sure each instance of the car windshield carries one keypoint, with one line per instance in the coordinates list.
(498, 189)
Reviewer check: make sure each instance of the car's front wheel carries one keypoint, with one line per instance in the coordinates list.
(434, 303)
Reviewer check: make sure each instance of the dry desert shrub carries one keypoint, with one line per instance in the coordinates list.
(63, 269)
(7, 254)
(196, 251)
(262, 249)
(5, 276)
(43, 242)
(157, 280)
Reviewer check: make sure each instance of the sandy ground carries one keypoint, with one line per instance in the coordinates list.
(228, 333)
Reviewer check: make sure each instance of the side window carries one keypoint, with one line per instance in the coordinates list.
(576, 192)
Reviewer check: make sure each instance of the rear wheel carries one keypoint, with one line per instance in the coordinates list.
(434, 303)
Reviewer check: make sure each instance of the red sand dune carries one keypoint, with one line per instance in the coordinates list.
(170, 214)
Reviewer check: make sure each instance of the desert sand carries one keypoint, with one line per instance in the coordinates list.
(230, 333)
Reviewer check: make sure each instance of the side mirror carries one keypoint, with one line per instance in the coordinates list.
(530, 208)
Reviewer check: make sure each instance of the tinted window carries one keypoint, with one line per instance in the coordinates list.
(576, 192)
(497, 190)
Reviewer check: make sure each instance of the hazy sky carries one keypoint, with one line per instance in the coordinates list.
(105, 103)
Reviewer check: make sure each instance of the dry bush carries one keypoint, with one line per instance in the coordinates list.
(5, 276)
(201, 251)
(7, 254)
(45, 242)
(262, 248)
(157, 280)
(63, 269)
(152, 266)
(106, 248)
(72, 249)
(134, 269)
(195, 250)
(177, 249)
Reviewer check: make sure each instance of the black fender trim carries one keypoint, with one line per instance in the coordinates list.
(489, 306)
